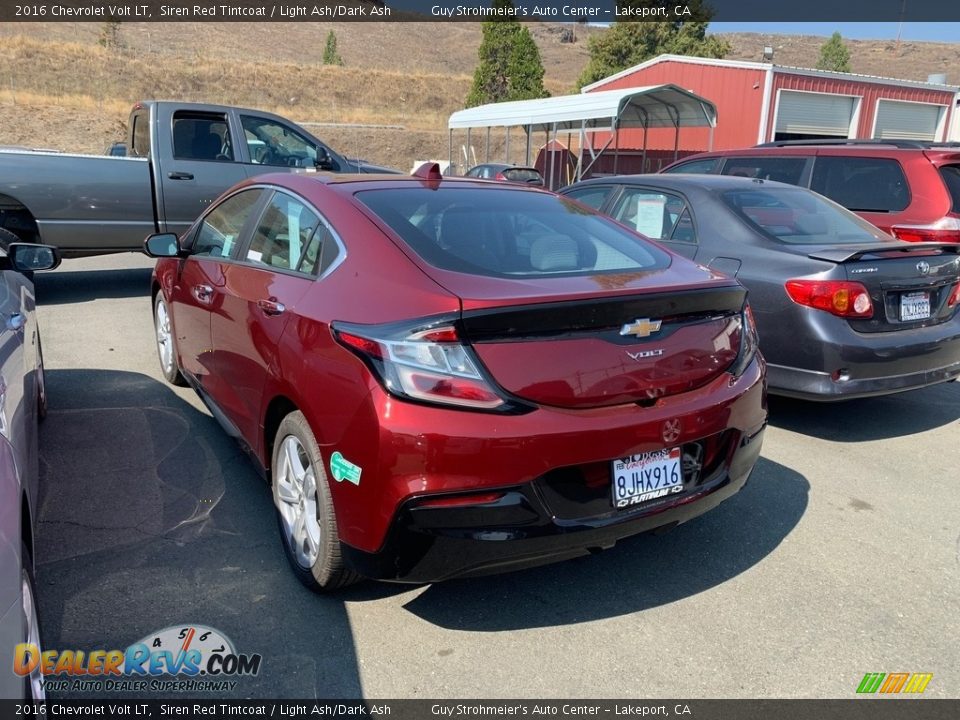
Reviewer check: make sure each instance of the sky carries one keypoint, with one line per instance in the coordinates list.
(938, 32)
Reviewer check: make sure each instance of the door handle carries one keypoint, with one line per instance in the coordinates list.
(271, 307)
(203, 293)
(180, 175)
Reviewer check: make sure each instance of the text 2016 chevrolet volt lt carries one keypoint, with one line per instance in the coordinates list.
(446, 377)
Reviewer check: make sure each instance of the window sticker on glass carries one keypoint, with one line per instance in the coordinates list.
(649, 218)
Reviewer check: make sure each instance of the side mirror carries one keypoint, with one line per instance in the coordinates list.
(161, 245)
(323, 159)
(27, 257)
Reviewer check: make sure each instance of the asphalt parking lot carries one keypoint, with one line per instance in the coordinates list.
(840, 557)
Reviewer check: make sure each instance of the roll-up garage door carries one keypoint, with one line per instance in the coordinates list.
(907, 121)
(802, 113)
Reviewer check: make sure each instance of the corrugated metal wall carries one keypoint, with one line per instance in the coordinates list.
(737, 93)
(868, 91)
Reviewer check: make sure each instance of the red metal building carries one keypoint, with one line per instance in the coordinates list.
(758, 102)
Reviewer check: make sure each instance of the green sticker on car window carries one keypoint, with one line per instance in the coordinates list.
(342, 469)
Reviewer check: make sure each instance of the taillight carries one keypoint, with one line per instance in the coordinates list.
(749, 341)
(430, 365)
(944, 230)
(499, 176)
(837, 297)
(954, 297)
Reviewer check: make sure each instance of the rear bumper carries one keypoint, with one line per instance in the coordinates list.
(812, 385)
(519, 530)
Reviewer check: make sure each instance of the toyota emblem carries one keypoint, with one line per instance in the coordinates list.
(923, 266)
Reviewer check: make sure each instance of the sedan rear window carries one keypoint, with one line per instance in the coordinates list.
(797, 216)
(527, 175)
(494, 232)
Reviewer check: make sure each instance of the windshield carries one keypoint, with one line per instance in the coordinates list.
(494, 232)
(796, 216)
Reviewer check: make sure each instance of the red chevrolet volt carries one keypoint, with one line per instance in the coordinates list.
(447, 377)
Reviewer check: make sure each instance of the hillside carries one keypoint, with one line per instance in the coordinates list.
(62, 89)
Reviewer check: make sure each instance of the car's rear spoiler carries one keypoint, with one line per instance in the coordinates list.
(842, 255)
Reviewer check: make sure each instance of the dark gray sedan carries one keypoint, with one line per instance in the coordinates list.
(843, 310)
(23, 401)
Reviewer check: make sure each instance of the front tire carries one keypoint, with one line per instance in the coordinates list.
(166, 347)
(305, 514)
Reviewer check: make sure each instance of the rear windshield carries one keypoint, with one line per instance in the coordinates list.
(498, 232)
(951, 178)
(797, 216)
(522, 175)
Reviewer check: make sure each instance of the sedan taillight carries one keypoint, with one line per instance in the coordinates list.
(838, 297)
(954, 297)
(429, 365)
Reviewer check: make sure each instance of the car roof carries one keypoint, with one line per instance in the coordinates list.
(689, 180)
(372, 181)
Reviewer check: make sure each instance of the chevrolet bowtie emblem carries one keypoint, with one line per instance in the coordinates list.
(644, 327)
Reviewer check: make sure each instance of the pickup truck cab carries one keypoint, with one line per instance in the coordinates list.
(180, 157)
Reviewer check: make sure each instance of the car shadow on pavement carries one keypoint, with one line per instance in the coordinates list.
(878, 418)
(57, 288)
(637, 574)
(152, 517)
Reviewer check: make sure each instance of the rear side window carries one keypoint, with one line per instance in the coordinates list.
(282, 237)
(951, 178)
(141, 135)
(649, 212)
(696, 166)
(864, 184)
(503, 233)
(201, 136)
(782, 169)
(797, 216)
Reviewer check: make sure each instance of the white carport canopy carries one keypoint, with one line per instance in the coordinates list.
(654, 106)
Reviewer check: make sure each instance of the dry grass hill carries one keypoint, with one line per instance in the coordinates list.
(59, 88)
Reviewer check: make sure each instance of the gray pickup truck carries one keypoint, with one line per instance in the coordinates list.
(180, 157)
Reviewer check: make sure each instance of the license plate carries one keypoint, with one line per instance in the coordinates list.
(914, 306)
(648, 476)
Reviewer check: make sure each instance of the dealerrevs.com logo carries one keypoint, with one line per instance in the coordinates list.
(894, 683)
(180, 658)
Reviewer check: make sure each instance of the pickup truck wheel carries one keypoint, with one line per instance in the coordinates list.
(166, 347)
(305, 513)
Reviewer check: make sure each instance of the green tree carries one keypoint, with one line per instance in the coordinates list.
(626, 44)
(330, 54)
(834, 55)
(110, 35)
(509, 66)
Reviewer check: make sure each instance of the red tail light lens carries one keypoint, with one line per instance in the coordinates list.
(837, 297)
(429, 365)
(954, 297)
(944, 230)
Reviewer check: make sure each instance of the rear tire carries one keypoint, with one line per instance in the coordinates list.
(32, 683)
(305, 514)
(166, 345)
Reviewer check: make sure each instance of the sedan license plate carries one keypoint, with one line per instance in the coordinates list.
(648, 476)
(914, 306)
